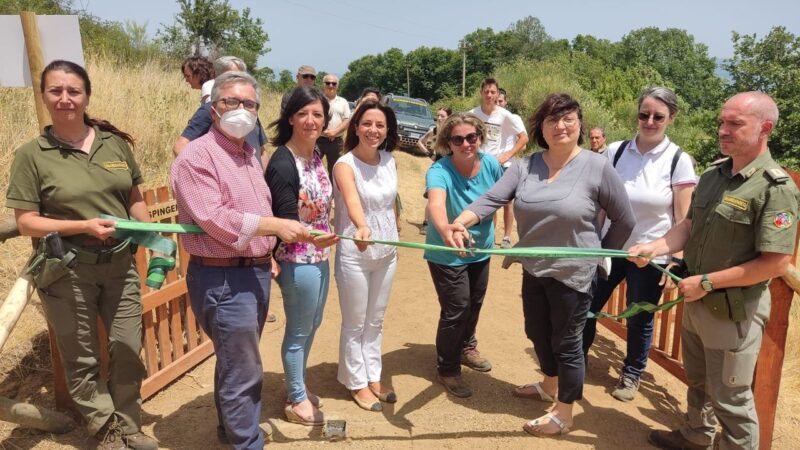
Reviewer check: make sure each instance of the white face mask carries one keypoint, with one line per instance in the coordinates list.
(237, 122)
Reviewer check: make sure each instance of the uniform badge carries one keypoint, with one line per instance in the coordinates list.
(783, 220)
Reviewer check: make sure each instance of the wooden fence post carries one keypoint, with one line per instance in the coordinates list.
(766, 385)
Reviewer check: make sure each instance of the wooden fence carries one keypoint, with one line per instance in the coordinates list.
(173, 342)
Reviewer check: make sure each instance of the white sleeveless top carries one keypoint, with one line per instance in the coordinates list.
(377, 190)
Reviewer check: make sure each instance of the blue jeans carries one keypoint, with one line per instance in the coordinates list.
(642, 287)
(305, 289)
(231, 305)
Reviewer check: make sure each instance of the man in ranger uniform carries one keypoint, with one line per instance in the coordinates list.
(739, 233)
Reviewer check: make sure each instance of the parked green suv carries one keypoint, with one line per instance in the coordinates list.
(414, 118)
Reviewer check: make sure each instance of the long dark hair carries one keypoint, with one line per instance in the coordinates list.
(298, 99)
(71, 67)
(351, 141)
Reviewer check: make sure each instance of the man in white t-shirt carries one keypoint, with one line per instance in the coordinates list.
(331, 142)
(501, 128)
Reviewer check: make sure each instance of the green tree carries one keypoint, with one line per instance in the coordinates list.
(772, 65)
(434, 72)
(679, 59)
(213, 28)
(386, 71)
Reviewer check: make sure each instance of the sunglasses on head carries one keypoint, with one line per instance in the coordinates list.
(306, 76)
(657, 118)
(459, 140)
(331, 83)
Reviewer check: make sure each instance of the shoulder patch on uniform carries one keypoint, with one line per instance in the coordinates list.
(783, 219)
(115, 165)
(778, 175)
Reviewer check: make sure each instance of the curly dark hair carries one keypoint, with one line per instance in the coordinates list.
(200, 67)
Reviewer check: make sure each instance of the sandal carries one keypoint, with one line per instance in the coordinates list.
(317, 418)
(539, 393)
(530, 427)
(387, 396)
(374, 406)
(315, 400)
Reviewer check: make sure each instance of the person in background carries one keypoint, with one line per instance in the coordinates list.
(659, 179)
(597, 140)
(199, 73)
(365, 186)
(559, 193)
(740, 233)
(301, 190)
(331, 142)
(219, 185)
(452, 183)
(500, 125)
(510, 141)
(306, 76)
(62, 181)
(427, 144)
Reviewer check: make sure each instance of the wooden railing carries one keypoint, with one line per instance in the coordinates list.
(666, 350)
(173, 342)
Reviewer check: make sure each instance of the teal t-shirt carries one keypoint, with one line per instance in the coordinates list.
(461, 191)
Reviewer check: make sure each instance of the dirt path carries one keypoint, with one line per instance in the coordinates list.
(183, 416)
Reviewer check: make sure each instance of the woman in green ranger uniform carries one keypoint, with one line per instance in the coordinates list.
(61, 182)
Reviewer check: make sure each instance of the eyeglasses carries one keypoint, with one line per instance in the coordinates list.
(307, 76)
(459, 140)
(568, 122)
(233, 102)
(331, 83)
(657, 118)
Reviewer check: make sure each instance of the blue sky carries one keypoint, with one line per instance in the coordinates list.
(329, 34)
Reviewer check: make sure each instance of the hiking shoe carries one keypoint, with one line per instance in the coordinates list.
(674, 440)
(455, 385)
(626, 389)
(109, 437)
(506, 242)
(139, 441)
(472, 358)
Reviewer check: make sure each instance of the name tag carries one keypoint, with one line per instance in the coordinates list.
(116, 165)
(736, 202)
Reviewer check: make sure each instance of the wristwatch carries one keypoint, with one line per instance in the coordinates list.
(706, 284)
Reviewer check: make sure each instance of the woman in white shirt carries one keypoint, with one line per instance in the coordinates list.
(365, 188)
(659, 179)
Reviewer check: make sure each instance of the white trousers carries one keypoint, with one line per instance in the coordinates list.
(364, 287)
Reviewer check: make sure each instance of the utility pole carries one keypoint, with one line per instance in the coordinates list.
(408, 82)
(464, 73)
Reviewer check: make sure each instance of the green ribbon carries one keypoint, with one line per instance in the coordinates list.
(146, 234)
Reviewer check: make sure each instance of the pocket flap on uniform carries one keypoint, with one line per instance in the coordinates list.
(738, 367)
(732, 214)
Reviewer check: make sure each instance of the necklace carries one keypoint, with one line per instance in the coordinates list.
(71, 141)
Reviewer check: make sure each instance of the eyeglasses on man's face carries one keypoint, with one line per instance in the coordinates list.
(331, 83)
(308, 76)
(233, 103)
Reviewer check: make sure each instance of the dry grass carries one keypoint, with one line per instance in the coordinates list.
(154, 105)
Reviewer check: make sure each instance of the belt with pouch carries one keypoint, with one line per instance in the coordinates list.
(99, 254)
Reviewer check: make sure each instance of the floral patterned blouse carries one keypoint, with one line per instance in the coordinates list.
(313, 207)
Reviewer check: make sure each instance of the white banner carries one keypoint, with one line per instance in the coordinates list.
(60, 38)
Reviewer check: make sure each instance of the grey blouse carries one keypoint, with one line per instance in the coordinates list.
(562, 213)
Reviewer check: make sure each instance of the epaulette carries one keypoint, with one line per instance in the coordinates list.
(777, 175)
(715, 164)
